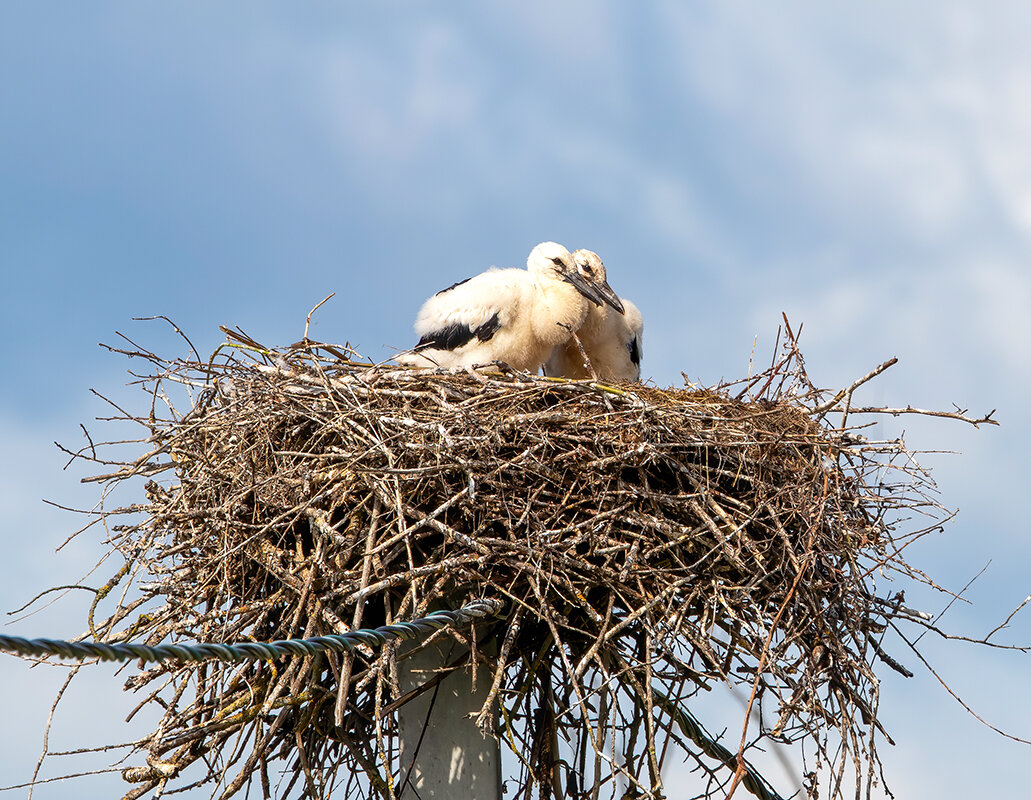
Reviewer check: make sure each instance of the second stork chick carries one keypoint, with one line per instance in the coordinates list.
(611, 341)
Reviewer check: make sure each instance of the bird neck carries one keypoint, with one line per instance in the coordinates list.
(560, 311)
(593, 323)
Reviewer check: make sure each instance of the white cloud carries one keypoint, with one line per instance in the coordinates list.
(889, 119)
(391, 102)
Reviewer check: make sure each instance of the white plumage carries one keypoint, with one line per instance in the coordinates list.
(512, 315)
(612, 341)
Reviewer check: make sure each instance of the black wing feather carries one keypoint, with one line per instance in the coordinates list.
(453, 336)
(635, 352)
(452, 286)
(488, 328)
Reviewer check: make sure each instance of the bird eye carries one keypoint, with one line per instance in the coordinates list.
(557, 262)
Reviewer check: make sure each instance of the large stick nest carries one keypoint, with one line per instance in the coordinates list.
(648, 544)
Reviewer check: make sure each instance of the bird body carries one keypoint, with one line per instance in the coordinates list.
(612, 342)
(512, 315)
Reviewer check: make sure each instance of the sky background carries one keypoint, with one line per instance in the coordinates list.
(865, 170)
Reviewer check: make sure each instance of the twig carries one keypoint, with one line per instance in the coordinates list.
(307, 320)
(957, 415)
(846, 393)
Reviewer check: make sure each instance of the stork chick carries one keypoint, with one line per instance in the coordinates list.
(512, 315)
(611, 341)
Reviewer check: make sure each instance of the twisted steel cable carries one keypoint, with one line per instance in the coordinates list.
(255, 651)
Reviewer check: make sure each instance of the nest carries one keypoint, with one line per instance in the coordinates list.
(648, 544)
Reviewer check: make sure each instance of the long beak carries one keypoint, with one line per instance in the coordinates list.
(597, 293)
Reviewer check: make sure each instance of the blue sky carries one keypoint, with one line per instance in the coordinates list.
(864, 170)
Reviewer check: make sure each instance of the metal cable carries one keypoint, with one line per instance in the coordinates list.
(255, 651)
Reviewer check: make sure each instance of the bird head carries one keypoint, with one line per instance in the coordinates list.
(591, 270)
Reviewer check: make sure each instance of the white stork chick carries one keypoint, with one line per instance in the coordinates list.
(611, 341)
(512, 315)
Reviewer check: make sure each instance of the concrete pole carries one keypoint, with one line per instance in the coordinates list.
(450, 759)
